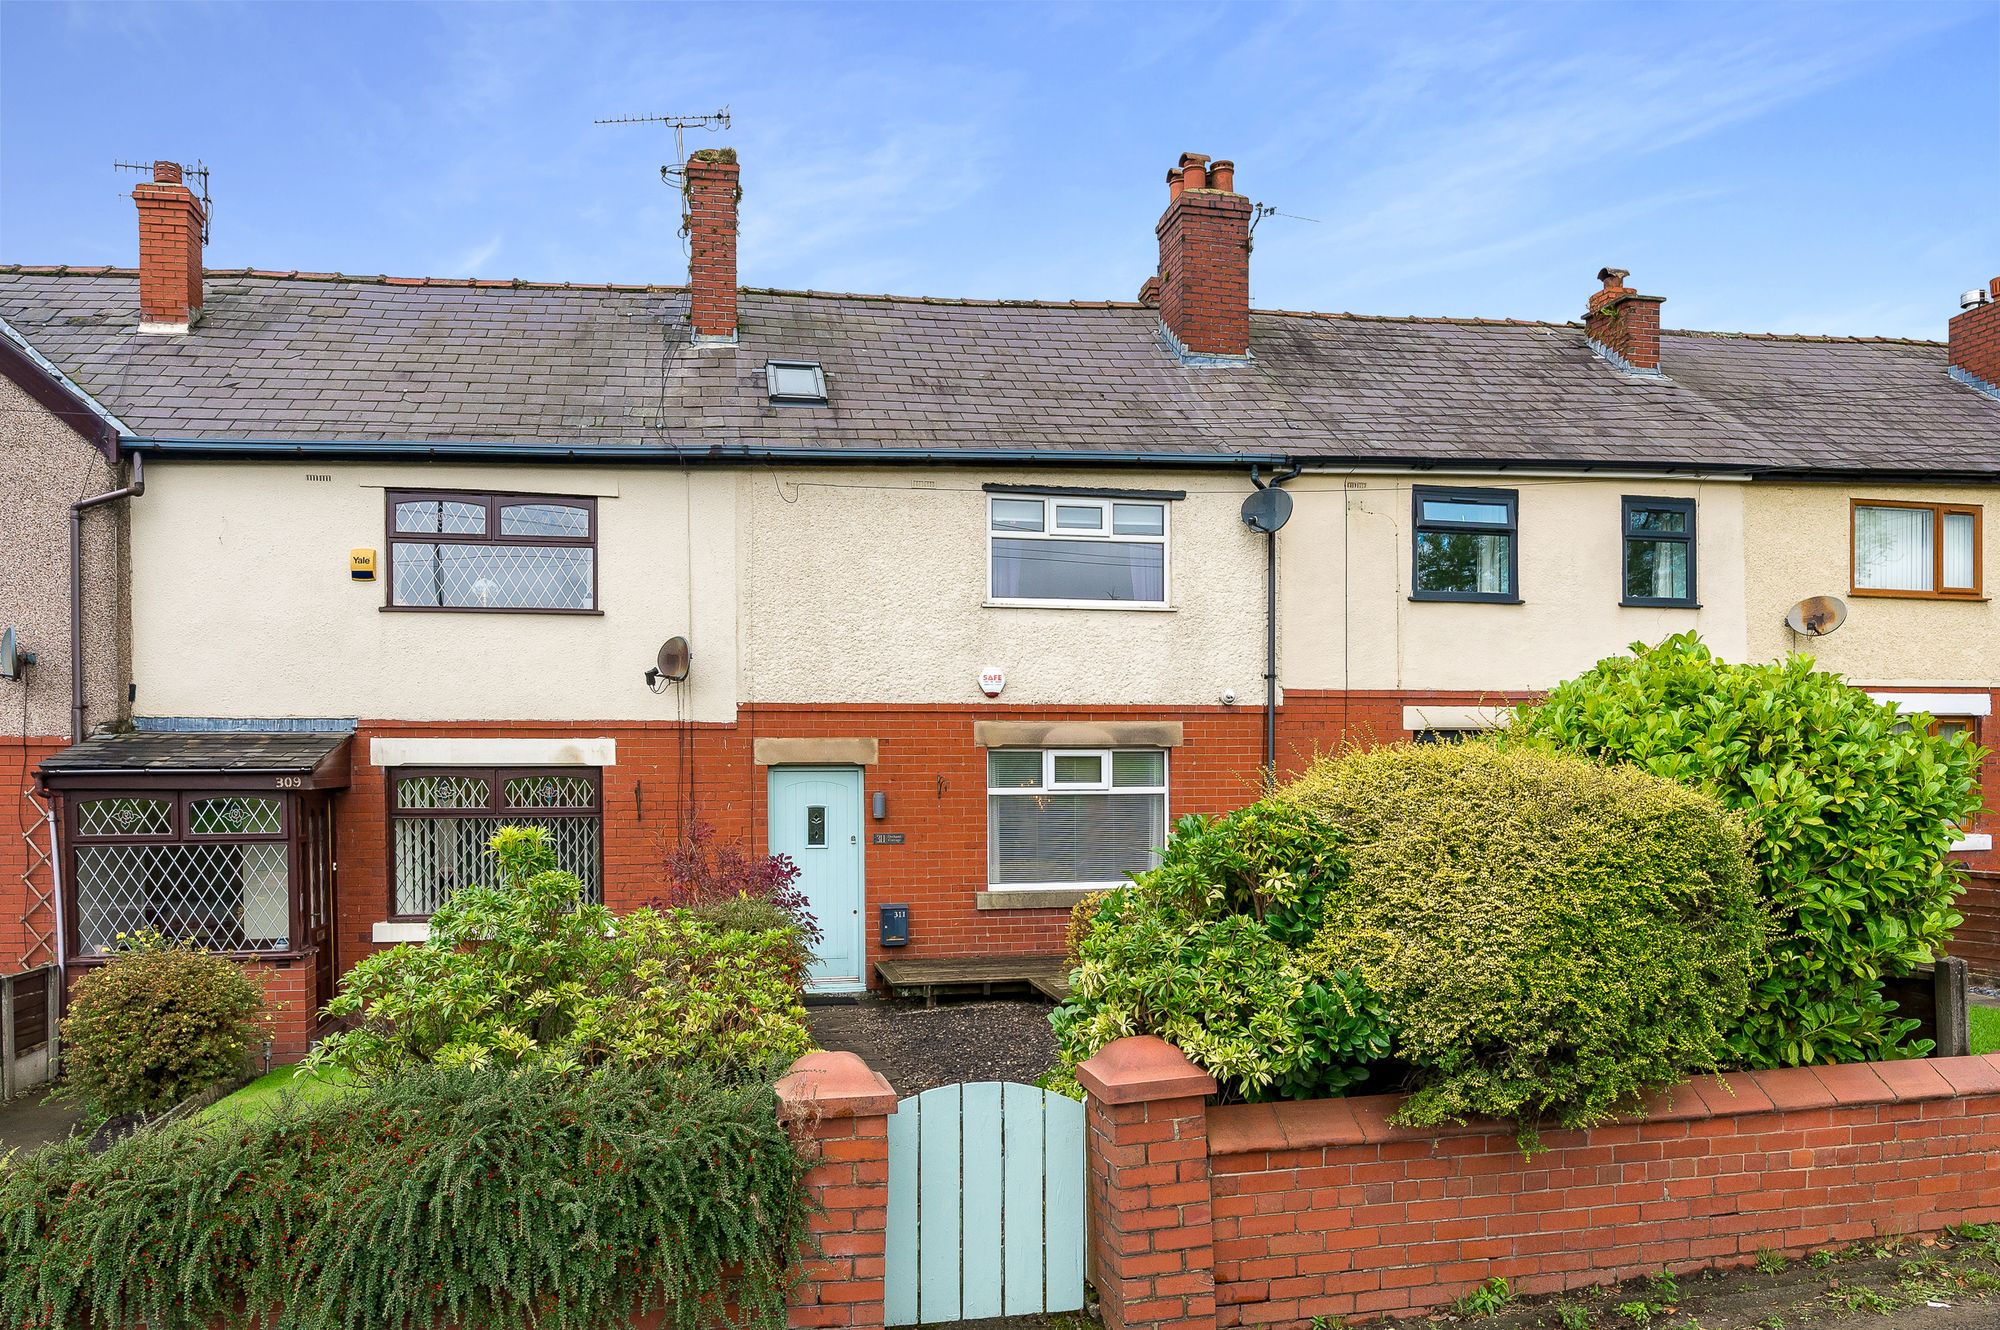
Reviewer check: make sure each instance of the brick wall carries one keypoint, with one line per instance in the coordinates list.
(712, 194)
(1975, 339)
(1324, 1209)
(24, 923)
(841, 1110)
(1205, 261)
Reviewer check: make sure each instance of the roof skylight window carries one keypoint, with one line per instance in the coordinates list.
(796, 381)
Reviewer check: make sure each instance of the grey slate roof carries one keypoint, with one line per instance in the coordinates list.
(152, 751)
(329, 357)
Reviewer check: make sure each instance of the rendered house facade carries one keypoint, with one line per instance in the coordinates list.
(971, 610)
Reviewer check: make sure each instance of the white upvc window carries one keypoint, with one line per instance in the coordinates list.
(1077, 551)
(1073, 817)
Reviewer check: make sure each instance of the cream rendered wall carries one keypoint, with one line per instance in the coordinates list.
(867, 586)
(1347, 621)
(1799, 543)
(243, 605)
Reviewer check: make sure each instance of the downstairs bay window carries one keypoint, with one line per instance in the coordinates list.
(442, 819)
(1069, 817)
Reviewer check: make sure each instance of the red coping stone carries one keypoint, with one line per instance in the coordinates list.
(1853, 1083)
(834, 1085)
(1141, 1068)
(1914, 1079)
(1973, 1075)
(1795, 1088)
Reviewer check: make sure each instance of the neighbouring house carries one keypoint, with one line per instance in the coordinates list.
(966, 604)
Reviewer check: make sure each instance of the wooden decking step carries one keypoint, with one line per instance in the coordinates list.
(1046, 975)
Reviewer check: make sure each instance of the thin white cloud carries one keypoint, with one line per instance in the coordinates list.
(474, 261)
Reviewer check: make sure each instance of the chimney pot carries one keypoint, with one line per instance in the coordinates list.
(1613, 278)
(167, 173)
(1204, 273)
(1222, 176)
(1974, 346)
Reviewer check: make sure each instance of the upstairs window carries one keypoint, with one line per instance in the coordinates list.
(1659, 552)
(1916, 549)
(1068, 817)
(492, 552)
(1077, 551)
(1465, 545)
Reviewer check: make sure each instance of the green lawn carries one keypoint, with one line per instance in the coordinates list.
(263, 1092)
(1986, 1029)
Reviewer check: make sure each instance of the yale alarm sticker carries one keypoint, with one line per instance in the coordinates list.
(361, 565)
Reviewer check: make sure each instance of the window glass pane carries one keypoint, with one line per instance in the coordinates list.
(435, 856)
(1129, 571)
(795, 381)
(1656, 569)
(548, 790)
(545, 519)
(1659, 519)
(1463, 561)
(1892, 549)
(1078, 517)
(1079, 769)
(1139, 519)
(1060, 838)
(220, 895)
(446, 517)
(1948, 728)
(494, 576)
(1959, 532)
(1139, 768)
(1017, 514)
(1014, 768)
(235, 816)
(125, 817)
(1465, 510)
(443, 792)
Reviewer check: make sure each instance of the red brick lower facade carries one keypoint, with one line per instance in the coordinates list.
(1249, 1214)
(27, 926)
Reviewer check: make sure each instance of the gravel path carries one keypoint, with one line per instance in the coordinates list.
(954, 1041)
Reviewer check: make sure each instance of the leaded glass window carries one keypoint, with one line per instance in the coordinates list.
(442, 822)
(492, 552)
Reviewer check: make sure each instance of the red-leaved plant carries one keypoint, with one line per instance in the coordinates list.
(703, 871)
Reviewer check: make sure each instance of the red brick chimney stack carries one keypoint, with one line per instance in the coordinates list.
(1975, 336)
(170, 222)
(1624, 322)
(1204, 235)
(712, 196)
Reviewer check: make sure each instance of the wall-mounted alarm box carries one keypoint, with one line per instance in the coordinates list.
(361, 565)
(895, 925)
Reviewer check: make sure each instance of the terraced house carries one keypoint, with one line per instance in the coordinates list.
(957, 602)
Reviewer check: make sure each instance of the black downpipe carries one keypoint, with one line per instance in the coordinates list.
(1278, 477)
(76, 510)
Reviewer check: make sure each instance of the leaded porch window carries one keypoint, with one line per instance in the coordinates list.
(212, 869)
(443, 819)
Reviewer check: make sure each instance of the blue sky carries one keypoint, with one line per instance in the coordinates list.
(1782, 167)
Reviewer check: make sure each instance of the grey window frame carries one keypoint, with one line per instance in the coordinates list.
(1510, 529)
(815, 398)
(1631, 503)
(492, 501)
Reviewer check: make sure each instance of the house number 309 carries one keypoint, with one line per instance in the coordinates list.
(291, 782)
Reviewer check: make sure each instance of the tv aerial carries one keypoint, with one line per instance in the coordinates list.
(670, 665)
(1816, 616)
(1266, 509)
(198, 173)
(712, 122)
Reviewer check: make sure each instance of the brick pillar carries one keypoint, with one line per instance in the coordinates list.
(1624, 322)
(839, 1109)
(170, 222)
(1149, 1193)
(1975, 339)
(712, 195)
(1204, 286)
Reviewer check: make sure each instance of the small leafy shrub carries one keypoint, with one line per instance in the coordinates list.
(448, 1196)
(706, 875)
(528, 972)
(1202, 951)
(158, 1023)
(1546, 935)
(1490, 1298)
(1851, 813)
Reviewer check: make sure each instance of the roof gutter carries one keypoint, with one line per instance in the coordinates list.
(392, 449)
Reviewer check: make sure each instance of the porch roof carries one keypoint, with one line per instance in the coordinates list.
(315, 761)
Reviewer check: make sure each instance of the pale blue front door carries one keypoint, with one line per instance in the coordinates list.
(815, 819)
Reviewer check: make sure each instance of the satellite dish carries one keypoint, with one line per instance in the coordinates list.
(1816, 616)
(674, 660)
(1266, 509)
(12, 658)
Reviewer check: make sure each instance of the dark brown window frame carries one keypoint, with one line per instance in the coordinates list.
(1938, 590)
(494, 807)
(493, 501)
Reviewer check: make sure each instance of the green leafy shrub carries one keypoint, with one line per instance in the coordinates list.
(1851, 812)
(528, 972)
(156, 1024)
(1547, 935)
(448, 1196)
(1204, 952)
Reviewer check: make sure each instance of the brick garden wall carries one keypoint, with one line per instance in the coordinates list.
(23, 924)
(1252, 1214)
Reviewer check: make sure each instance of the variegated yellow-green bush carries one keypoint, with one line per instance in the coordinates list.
(528, 972)
(1547, 936)
(1852, 810)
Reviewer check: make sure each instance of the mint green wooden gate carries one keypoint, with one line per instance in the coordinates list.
(985, 1204)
